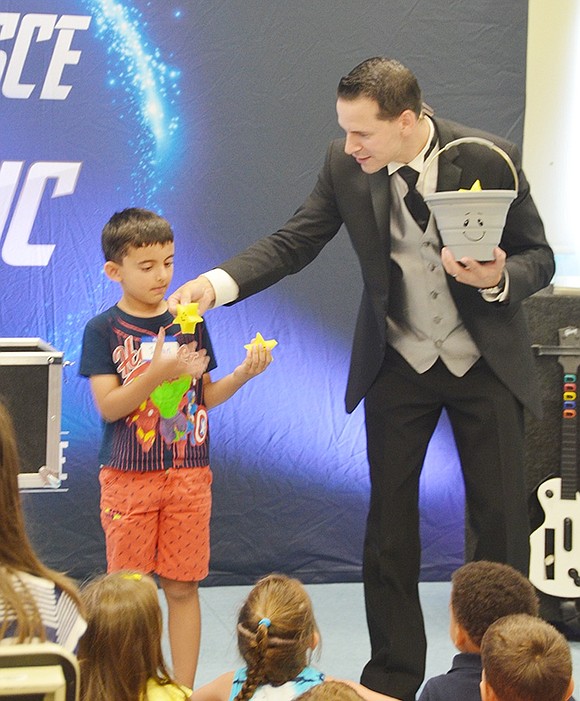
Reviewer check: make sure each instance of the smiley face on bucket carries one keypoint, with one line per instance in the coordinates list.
(473, 226)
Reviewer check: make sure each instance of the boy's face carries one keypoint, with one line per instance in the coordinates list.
(144, 274)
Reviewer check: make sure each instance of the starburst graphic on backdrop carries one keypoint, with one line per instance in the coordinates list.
(149, 87)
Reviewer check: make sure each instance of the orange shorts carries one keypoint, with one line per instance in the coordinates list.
(157, 521)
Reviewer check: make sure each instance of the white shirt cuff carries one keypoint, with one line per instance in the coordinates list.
(225, 287)
(499, 293)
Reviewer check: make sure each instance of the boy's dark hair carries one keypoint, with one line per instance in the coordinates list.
(484, 591)
(393, 86)
(133, 227)
(526, 659)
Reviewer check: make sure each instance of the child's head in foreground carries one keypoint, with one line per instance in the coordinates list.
(482, 592)
(121, 649)
(138, 248)
(525, 659)
(330, 691)
(276, 632)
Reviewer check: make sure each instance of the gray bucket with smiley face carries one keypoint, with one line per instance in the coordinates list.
(471, 221)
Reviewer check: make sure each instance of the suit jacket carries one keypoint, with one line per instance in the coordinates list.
(344, 194)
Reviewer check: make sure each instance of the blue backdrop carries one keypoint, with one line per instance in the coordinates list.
(217, 115)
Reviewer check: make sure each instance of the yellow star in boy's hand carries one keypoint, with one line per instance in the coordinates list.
(476, 187)
(188, 317)
(259, 340)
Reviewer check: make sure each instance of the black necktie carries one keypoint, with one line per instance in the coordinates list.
(413, 199)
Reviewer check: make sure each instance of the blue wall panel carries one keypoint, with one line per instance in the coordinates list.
(217, 115)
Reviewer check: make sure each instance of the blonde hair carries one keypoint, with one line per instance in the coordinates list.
(276, 632)
(121, 649)
(17, 604)
(330, 691)
(526, 659)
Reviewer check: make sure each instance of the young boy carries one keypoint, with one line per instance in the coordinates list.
(153, 396)
(481, 593)
(525, 659)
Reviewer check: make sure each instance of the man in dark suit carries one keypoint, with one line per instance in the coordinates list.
(432, 332)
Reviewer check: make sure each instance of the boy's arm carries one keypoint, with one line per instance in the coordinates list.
(115, 401)
(256, 361)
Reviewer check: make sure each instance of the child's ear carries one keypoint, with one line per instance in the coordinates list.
(456, 632)
(112, 271)
(315, 639)
(460, 638)
(570, 690)
(485, 690)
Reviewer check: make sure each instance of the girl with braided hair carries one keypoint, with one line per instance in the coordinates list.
(277, 635)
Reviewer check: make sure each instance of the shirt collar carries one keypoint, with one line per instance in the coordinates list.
(418, 161)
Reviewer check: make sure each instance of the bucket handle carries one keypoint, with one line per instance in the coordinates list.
(474, 140)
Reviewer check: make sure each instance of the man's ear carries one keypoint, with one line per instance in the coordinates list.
(569, 690)
(407, 120)
(112, 271)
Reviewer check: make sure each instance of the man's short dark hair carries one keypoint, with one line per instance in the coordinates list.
(393, 86)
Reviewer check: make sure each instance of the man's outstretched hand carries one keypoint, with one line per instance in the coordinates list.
(199, 290)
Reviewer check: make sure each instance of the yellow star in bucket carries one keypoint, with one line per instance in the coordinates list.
(259, 340)
(188, 317)
(476, 187)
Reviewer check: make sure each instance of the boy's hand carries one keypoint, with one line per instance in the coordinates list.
(187, 361)
(195, 361)
(256, 361)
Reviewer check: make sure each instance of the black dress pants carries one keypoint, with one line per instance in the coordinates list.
(402, 410)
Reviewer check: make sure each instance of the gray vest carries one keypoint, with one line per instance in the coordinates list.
(423, 322)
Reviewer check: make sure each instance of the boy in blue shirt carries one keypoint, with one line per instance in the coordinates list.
(481, 593)
(153, 396)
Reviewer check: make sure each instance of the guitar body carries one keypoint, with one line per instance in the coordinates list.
(555, 544)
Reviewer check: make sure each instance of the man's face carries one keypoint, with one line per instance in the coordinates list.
(371, 141)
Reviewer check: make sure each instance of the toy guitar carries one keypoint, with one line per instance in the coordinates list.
(555, 545)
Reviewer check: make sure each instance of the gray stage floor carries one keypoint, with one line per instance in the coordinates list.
(339, 610)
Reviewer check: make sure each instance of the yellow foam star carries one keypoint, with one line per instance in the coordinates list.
(476, 187)
(259, 340)
(188, 317)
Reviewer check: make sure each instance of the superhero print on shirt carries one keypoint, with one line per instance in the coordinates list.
(170, 412)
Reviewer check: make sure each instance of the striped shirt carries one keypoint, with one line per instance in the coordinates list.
(62, 621)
